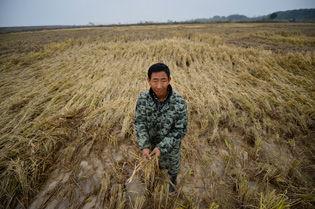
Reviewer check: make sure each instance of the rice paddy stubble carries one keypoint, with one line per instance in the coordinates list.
(80, 97)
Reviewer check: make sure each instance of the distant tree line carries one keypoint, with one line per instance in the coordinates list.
(306, 15)
(273, 16)
(301, 14)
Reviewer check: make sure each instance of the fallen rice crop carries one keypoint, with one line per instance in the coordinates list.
(67, 102)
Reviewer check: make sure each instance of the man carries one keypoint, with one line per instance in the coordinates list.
(161, 121)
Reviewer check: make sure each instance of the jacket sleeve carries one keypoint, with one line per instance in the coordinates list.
(178, 131)
(140, 124)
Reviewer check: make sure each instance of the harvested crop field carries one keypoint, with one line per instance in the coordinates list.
(67, 107)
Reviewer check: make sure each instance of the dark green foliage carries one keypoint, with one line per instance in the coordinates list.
(273, 16)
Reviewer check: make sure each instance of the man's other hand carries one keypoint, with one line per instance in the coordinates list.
(156, 151)
(145, 153)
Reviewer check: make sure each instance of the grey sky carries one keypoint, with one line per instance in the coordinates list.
(81, 12)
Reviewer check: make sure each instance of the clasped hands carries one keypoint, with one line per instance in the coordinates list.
(146, 153)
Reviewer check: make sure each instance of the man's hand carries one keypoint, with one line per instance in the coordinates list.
(156, 151)
(145, 153)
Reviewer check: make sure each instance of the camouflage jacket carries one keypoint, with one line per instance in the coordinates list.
(162, 128)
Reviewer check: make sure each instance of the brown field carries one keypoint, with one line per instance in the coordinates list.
(67, 102)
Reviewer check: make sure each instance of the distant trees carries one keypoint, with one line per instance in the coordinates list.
(301, 14)
(237, 17)
(273, 16)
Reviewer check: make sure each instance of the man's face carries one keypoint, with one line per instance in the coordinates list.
(159, 83)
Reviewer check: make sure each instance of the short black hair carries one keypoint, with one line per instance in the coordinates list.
(158, 67)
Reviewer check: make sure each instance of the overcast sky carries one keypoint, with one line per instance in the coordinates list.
(81, 12)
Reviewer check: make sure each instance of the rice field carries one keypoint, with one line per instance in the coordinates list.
(67, 107)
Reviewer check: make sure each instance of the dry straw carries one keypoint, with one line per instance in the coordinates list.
(250, 104)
